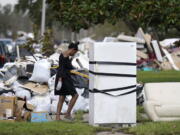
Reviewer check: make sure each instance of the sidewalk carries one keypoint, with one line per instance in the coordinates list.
(86, 118)
(110, 133)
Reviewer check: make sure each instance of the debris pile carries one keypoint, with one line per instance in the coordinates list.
(27, 87)
(153, 54)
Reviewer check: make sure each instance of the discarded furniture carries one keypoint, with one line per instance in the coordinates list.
(162, 101)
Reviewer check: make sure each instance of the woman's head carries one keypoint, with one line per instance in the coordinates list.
(73, 48)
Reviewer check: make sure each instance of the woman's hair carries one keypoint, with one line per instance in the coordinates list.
(73, 45)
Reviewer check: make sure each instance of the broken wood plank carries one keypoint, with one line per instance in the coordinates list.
(157, 50)
(170, 59)
(141, 54)
(35, 87)
(146, 37)
(130, 39)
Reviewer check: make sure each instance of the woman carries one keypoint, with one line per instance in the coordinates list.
(64, 76)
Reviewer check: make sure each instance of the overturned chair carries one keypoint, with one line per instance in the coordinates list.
(162, 101)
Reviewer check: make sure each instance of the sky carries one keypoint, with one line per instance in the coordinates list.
(4, 2)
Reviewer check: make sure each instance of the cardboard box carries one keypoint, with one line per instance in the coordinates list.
(39, 117)
(27, 116)
(37, 88)
(7, 106)
(30, 107)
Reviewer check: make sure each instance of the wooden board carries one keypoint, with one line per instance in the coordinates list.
(146, 37)
(35, 87)
(130, 39)
(142, 54)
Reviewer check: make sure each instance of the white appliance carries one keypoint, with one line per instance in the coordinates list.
(118, 61)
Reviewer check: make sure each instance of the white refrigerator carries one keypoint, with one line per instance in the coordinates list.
(112, 67)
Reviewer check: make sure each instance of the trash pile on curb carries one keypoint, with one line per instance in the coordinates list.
(27, 87)
(152, 54)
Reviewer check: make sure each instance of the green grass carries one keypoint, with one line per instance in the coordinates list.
(49, 128)
(79, 116)
(156, 128)
(140, 117)
(147, 127)
(77, 127)
(158, 76)
(144, 126)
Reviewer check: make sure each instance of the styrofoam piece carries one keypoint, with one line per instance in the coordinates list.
(168, 55)
(130, 39)
(41, 72)
(157, 50)
(103, 108)
(168, 42)
(110, 39)
(87, 40)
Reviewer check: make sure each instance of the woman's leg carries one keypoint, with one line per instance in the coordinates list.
(71, 104)
(59, 107)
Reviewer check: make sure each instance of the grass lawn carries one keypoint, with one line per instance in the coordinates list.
(147, 127)
(78, 127)
(49, 128)
(156, 128)
(158, 76)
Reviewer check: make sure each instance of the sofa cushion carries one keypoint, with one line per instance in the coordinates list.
(165, 93)
(168, 110)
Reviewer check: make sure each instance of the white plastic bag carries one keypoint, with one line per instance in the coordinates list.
(22, 93)
(81, 103)
(16, 86)
(59, 85)
(41, 103)
(51, 83)
(41, 72)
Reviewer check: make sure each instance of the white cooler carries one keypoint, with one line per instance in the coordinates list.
(121, 60)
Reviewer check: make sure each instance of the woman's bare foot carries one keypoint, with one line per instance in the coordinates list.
(58, 117)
